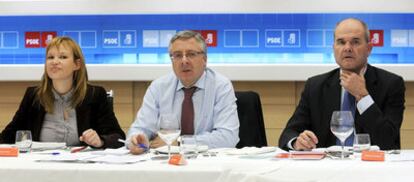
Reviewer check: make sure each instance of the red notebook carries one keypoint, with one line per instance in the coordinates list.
(373, 155)
(307, 155)
(9, 152)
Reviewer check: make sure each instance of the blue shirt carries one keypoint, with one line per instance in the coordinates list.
(216, 122)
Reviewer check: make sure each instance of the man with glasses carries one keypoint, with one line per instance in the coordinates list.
(373, 95)
(202, 100)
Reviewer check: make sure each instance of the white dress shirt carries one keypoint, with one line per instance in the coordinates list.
(216, 122)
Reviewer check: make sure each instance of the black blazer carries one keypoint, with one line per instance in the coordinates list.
(322, 95)
(94, 112)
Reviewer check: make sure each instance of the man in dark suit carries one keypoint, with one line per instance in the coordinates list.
(378, 94)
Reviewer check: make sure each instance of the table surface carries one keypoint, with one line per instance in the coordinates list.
(222, 167)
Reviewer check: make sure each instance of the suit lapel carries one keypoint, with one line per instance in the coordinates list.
(82, 113)
(38, 122)
(371, 80)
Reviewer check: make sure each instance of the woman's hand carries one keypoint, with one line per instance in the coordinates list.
(91, 138)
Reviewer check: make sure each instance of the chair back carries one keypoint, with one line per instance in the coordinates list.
(110, 98)
(252, 129)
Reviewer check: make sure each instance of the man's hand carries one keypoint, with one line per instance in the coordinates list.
(133, 145)
(91, 138)
(307, 140)
(158, 142)
(354, 84)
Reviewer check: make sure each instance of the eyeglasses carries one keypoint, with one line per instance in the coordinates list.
(178, 56)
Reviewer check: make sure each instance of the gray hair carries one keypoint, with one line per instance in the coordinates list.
(364, 25)
(188, 34)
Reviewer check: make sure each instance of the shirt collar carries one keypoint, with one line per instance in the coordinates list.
(65, 97)
(200, 83)
(364, 69)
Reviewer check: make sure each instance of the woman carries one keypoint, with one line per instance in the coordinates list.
(64, 107)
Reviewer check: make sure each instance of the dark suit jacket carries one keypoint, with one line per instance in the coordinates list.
(322, 95)
(94, 112)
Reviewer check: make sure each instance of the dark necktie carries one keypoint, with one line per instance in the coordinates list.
(348, 104)
(187, 112)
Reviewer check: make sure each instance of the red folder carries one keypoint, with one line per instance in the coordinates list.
(307, 155)
(9, 152)
(373, 156)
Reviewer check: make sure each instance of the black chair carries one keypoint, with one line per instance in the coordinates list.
(110, 98)
(252, 130)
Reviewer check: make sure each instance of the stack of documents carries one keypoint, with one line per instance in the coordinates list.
(39, 146)
(118, 151)
(409, 156)
(110, 156)
(250, 151)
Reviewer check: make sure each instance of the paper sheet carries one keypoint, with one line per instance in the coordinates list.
(250, 150)
(38, 146)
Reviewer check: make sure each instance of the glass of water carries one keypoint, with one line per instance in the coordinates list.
(169, 131)
(24, 140)
(361, 142)
(188, 146)
(342, 126)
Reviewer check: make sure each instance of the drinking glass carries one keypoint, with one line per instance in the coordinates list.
(361, 142)
(188, 146)
(169, 130)
(342, 126)
(23, 140)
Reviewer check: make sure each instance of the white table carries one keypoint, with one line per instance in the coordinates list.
(221, 168)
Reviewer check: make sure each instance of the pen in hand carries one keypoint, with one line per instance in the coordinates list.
(140, 145)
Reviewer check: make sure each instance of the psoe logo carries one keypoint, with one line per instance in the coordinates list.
(38, 39)
(32, 39)
(377, 37)
(111, 41)
(47, 37)
(210, 37)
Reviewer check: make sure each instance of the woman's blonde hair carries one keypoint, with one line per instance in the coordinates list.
(80, 76)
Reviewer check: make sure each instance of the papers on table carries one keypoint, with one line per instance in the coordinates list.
(176, 149)
(7, 145)
(109, 156)
(88, 157)
(336, 148)
(250, 151)
(67, 157)
(118, 151)
(39, 146)
(399, 157)
(119, 159)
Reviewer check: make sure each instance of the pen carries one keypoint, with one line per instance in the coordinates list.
(140, 145)
(47, 153)
(78, 149)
